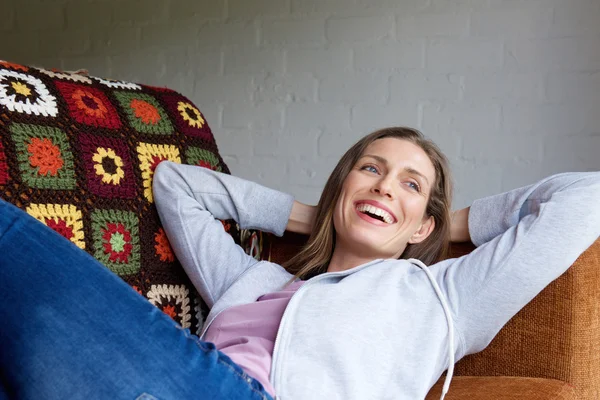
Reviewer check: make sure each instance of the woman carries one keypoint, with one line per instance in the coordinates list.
(356, 315)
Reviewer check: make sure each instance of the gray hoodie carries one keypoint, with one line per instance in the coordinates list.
(379, 330)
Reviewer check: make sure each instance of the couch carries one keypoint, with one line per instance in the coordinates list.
(78, 153)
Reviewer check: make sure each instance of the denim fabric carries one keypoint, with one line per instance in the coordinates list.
(71, 329)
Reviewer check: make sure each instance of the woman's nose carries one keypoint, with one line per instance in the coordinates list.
(383, 187)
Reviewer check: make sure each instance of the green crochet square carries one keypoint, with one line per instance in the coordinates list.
(203, 158)
(115, 235)
(44, 156)
(144, 113)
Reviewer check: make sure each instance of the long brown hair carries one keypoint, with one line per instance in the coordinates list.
(315, 256)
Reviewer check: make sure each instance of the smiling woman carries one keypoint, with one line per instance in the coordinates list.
(395, 170)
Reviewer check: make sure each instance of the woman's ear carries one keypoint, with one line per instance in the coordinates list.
(423, 232)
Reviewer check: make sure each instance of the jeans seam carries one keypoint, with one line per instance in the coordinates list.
(242, 375)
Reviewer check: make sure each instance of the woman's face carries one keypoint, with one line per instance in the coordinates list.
(383, 200)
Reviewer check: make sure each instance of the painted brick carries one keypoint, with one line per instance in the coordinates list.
(463, 119)
(243, 34)
(236, 142)
(144, 66)
(354, 88)
(81, 14)
(284, 88)
(575, 153)
(359, 29)
(233, 87)
(244, 9)
(163, 36)
(133, 12)
(421, 85)
(318, 61)
(474, 180)
(575, 54)
(504, 148)
(341, 7)
(369, 117)
(550, 119)
(581, 20)
(515, 22)
(573, 87)
(238, 60)
(7, 22)
(197, 10)
(390, 56)
(434, 24)
(275, 32)
(333, 144)
(298, 141)
(64, 43)
(314, 115)
(264, 170)
(493, 86)
(455, 5)
(117, 40)
(240, 114)
(39, 15)
(451, 55)
(312, 172)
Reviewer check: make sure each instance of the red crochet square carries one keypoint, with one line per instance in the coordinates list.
(109, 171)
(188, 118)
(3, 167)
(88, 105)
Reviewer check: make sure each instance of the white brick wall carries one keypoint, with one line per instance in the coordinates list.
(510, 89)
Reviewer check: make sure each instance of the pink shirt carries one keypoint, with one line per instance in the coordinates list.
(247, 333)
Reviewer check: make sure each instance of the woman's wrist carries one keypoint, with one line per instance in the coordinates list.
(301, 218)
(459, 228)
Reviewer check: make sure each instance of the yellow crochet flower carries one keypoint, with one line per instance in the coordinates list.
(108, 165)
(190, 114)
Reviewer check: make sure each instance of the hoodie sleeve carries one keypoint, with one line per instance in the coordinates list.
(191, 200)
(526, 238)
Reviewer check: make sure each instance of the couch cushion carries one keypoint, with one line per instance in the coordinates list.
(78, 153)
(503, 388)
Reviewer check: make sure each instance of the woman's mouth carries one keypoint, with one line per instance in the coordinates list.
(374, 214)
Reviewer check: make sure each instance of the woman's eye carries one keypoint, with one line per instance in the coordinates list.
(414, 185)
(369, 168)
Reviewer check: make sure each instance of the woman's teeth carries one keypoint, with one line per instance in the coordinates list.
(386, 216)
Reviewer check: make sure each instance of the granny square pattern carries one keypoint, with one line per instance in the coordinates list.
(88, 105)
(45, 160)
(145, 113)
(78, 153)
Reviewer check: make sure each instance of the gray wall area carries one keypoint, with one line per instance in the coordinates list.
(509, 89)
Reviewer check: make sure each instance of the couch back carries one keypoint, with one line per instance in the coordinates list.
(78, 153)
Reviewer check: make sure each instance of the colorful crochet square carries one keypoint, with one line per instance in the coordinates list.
(26, 94)
(109, 170)
(203, 158)
(150, 155)
(188, 119)
(173, 300)
(89, 105)
(3, 167)
(44, 157)
(116, 84)
(162, 246)
(116, 240)
(63, 218)
(145, 113)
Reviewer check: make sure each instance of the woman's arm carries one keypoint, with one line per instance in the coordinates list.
(191, 200)
(526, 238)
(459, 229)
(302, 218)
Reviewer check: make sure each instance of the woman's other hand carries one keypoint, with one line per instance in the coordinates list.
(302, 218)
(459, 229)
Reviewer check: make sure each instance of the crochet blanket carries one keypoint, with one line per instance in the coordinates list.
(78, 153)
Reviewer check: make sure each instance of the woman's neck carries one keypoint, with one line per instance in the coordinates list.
(342, 260)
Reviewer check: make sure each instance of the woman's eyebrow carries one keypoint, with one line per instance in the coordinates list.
(410, 170)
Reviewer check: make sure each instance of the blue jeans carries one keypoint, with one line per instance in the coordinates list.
(71, 329)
